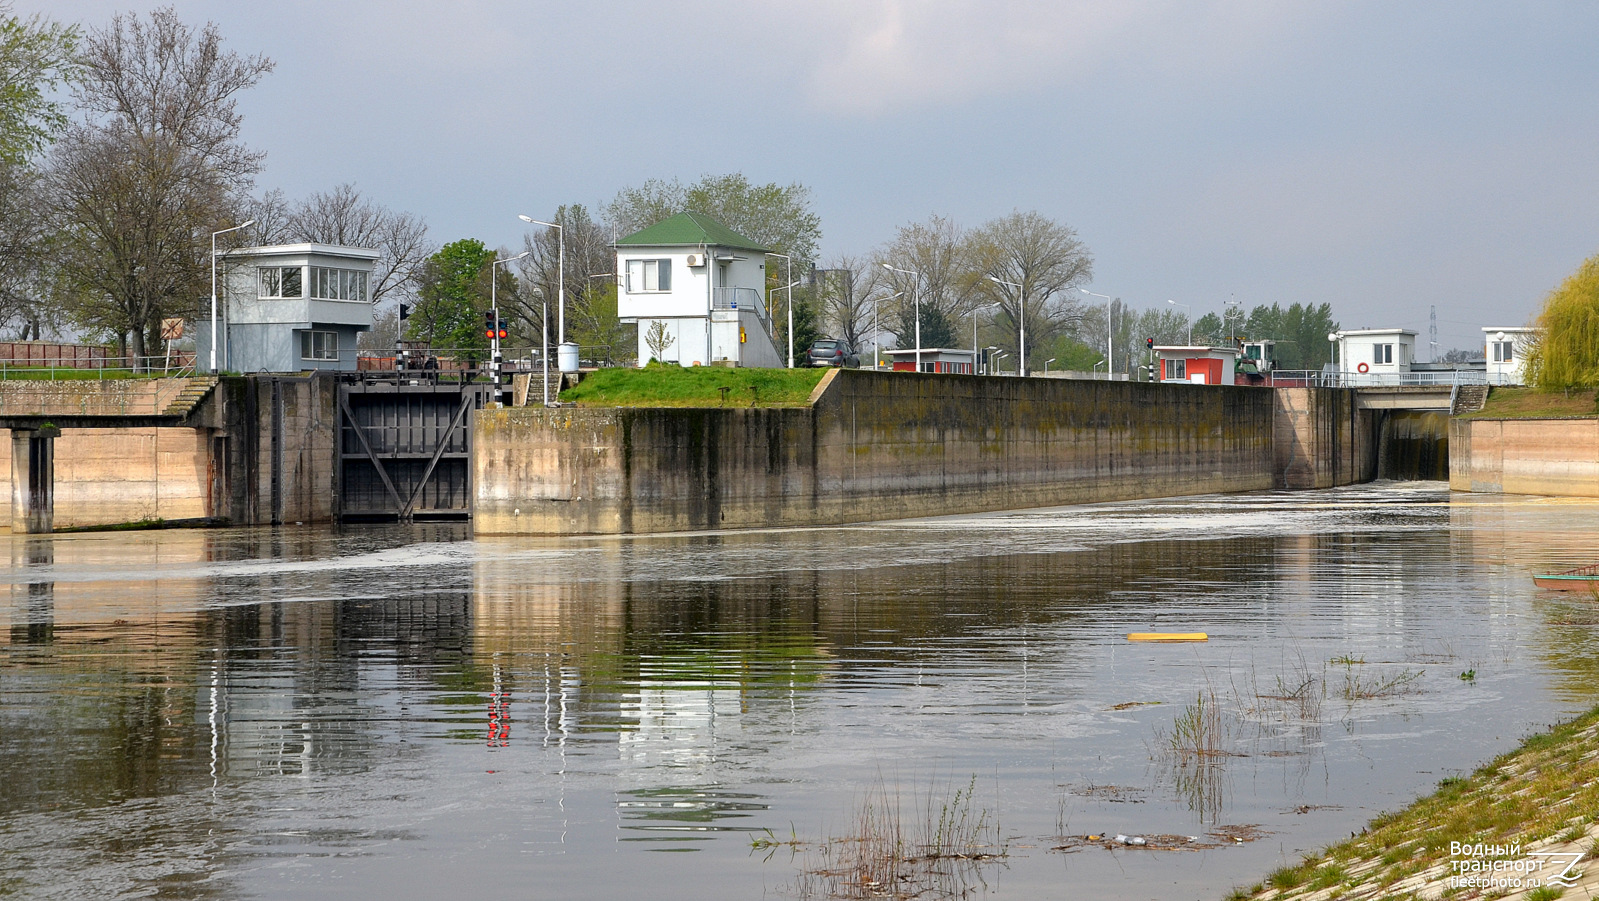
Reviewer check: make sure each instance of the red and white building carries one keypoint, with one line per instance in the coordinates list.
(1198, 364)
(934, 359)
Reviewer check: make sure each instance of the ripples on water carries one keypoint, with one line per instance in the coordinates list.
(407, 712)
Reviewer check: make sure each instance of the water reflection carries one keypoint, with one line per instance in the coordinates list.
(225, 702)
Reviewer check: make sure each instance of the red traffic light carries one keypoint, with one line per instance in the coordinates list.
(503, 333)
(489, 333)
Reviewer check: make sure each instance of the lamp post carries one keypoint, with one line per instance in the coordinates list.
(1237, 307)
(1332, 339)
(1110, 331)
(788, 276)
(560, 277)
(1052, 359)
(916, 302)
(1021, 318)
(494, 304)
(245, 224)
(975, 311)
(1188, 314)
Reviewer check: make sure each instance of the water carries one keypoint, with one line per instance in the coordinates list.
(410, 713)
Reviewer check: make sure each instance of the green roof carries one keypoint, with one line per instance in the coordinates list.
(690, 228)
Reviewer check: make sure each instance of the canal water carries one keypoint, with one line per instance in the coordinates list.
(410, 713)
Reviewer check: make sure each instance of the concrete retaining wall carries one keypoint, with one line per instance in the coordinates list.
(1525, 456)
(1322, 439)
(871, 446)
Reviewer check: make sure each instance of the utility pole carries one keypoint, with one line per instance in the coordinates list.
(1432, 333)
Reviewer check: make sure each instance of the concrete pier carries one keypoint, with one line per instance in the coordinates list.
(33, 479)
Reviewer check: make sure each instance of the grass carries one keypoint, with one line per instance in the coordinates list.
(700, 386)
(940, 851)
(1530, 403)
(1527, 796)
(65, 374)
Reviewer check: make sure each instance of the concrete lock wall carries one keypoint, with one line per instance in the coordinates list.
(1322, 438)
(260, 449)
(1558, 457)
(112, 476)
(871, 446)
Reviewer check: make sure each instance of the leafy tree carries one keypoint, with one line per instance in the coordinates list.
(36, 59)
(592, 322)
(1209, 329)
(937, 329)
(1565, 354)
(777, 216)
(1300, 331)
(1039, 264)
(807, 323)
(453, 295)
(138, 186)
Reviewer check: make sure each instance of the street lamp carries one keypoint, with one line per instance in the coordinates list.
(1237, 307)
(560, 280)
(916, 301)
(245, 224)
(1052, 359)
(975, 311)
(1332, 339)
(494, 304)
(788, 276)
(1110, 313)
(1021, 317)
(1188, 314)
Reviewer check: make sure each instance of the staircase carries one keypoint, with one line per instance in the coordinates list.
(1469, 399)
(191, 395)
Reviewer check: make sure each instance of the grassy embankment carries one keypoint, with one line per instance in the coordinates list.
(1543, 796)
(699, 386)
(1530, 403)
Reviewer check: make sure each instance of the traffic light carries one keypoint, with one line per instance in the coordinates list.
(504, 333)
(405, 311)
(488, 323)
(1149, 343)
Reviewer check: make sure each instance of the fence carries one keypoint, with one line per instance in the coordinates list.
(1313, 378)
(100, 365)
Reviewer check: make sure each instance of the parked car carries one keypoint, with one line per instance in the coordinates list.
(832, 352)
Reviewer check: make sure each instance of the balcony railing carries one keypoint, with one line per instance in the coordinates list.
(740, 299)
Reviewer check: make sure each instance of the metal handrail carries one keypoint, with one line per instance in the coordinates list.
(1337, 379)
(107, 367)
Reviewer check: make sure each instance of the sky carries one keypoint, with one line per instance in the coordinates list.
(1385, 158)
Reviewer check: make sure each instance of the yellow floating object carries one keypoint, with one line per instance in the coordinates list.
(1167, 636)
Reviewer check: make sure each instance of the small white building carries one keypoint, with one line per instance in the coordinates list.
(1198, 364)
(698, 289)
(289, 308)
(1505, 350)
(1375, 353)
(934, 359)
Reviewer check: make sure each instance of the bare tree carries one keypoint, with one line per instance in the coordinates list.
(1029, 265)
(345, 218)
(590, 265)
(848, 293)
(158, 166)
(930, 271)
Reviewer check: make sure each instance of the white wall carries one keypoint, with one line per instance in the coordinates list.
(1513, 371)
(1361, 348)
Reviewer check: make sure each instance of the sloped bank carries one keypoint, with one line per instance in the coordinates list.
(1523, 817)
(869, 446)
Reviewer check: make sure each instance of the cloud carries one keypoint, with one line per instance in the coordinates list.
(876, 55)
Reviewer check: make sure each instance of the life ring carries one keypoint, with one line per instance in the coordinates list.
(1363, 368)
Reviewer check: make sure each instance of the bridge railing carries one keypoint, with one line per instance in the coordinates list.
(1315, 378)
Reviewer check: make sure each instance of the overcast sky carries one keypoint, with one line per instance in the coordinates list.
(1382, 157)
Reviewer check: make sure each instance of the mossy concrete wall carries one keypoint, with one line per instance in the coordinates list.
(871, 446)
(1557, 457)
(1322, 438)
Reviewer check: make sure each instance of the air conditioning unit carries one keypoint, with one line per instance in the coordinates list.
(696, 259)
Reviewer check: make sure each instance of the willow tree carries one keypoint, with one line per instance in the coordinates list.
(1565, 355)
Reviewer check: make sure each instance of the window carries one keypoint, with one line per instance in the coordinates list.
(279, 281)
(649, 275)
(319, 345)
(1504, 351)
(1382, 353)
(1177, 369)
(338, 284)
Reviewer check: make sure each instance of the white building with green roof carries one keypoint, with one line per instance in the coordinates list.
(705, 284)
